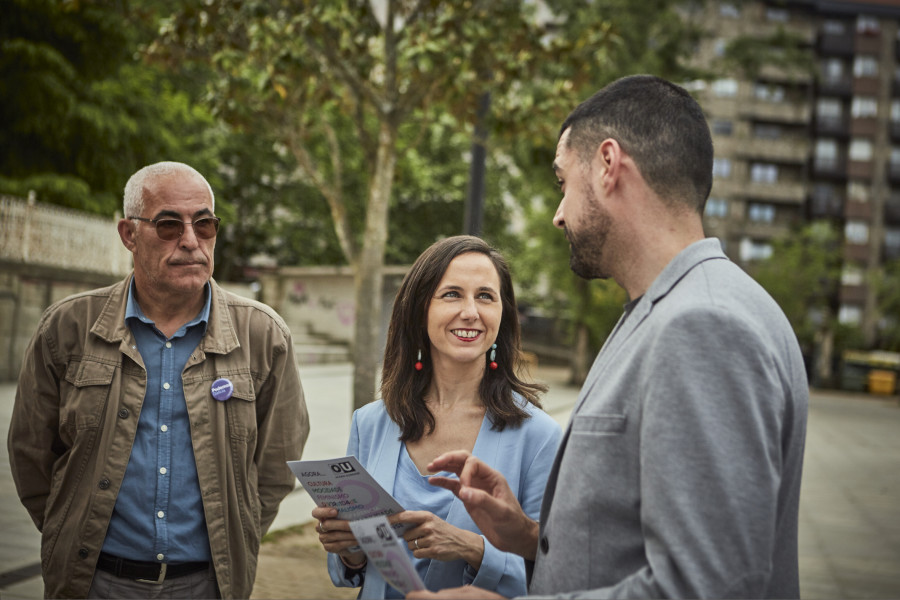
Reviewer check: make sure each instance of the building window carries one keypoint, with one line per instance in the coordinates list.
(725, 88)
(719, 47)
(826, 154)
(863, 106)
(755, 250)
(763, 173)
(867, 25)
(777, 15)
(721, 168)
(828, 108)
(760, 213)
(766, 131)
(856, 232)
(865, 66)
(850, 314)
(833, 27)
(768, 92)
(891, 243)
(857, 191)
(716, 208)
(730, 10)
(851, 275)
(833, 70)
(860, 149)
(722, 127)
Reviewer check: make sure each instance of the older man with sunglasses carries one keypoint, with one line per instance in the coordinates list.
(153, 418)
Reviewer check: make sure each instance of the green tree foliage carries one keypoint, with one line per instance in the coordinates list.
(803, 275)
(656, 37)
(363, 95)
(80, 112)
(888, 286)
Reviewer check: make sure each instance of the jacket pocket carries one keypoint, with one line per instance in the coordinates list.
(85, 394)
(241, 407)
(602, 424)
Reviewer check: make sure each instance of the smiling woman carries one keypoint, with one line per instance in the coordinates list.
(454, 317)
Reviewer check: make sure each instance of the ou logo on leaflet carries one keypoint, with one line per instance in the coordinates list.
(343, 467)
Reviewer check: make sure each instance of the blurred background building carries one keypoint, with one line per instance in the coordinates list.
(795, 146)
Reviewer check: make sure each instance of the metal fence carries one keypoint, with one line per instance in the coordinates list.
(41, 234)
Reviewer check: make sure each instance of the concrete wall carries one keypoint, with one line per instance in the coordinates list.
(318, 304)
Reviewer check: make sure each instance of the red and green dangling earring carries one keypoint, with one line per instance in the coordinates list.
(419, 361)
(493, 364)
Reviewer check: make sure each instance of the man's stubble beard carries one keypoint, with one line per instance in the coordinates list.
(587, 245)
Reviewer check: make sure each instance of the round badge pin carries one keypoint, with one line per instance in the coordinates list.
(222, 389)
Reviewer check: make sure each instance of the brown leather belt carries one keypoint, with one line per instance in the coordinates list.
(147, 572)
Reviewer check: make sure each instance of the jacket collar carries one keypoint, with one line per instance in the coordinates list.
(220, 337)
(678, 267)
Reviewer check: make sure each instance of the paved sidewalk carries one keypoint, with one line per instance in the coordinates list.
(849, 507)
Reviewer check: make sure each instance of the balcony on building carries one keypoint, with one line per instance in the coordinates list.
(835, 86)
(829, 168)
(892, 210)
(889, 253)
(858, 253)
(858, 210)
(895, 131)
(864, 127)
(790, 111)
(828, 126)
(852, 294)
(836, 44)
(784, 150)
(867, 42)
(860, 169)
(894, 174)
(781, 192)
(866, 86)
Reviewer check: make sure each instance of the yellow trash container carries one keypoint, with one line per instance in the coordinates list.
(882, 382)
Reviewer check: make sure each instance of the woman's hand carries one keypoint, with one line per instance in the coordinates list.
(336, 537)
(432, 537)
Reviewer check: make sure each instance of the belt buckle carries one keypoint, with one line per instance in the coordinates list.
(160, 579)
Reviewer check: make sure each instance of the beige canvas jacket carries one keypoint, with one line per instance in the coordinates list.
(76, 413)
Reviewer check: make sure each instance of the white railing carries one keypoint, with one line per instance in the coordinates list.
(46, 235)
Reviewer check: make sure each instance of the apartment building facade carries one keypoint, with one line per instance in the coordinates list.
(794, 146)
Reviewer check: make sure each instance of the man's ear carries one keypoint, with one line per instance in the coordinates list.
(126, 233)
(607, 162)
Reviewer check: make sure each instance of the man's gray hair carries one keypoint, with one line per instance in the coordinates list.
(133, 204)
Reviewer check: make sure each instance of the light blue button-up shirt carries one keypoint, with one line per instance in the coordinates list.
(159, 510)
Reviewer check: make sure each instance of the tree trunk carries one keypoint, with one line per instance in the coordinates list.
(369, 271)
(580, 359)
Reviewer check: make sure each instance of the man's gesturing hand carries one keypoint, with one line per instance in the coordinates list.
(489, 501)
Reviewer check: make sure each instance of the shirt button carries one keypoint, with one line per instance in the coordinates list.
(104, 483)
(160, 514)
(82, 553)
(545, 545)
(164, 428)
(160, 556)
(163, 470)
(168, 344)
(166, 386)
(123, 413)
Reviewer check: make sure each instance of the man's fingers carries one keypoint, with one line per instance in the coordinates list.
(450, 461)
(448, 483)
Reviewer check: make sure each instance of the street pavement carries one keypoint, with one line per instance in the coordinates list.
(849, 505)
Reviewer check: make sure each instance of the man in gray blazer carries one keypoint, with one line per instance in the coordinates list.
(679, 472)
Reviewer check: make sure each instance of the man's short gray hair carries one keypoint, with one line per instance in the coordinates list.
(133, 204)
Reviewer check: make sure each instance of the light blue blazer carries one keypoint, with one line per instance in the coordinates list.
(524, 455)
